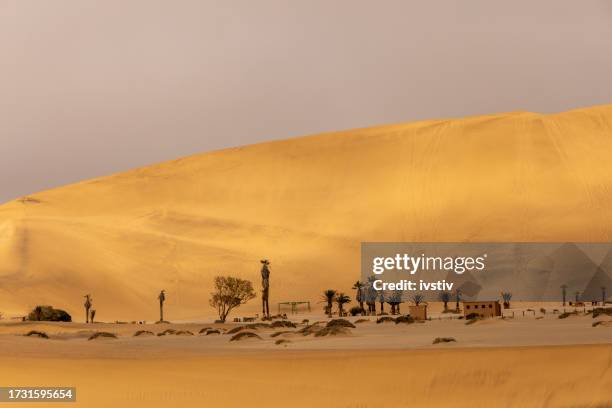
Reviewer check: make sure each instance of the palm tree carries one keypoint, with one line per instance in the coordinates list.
(577, 294)
(87, 304)
(328, 297)
(417, 298)
(381, 299)
(445, 298)
(162, 299)
(457, 299)
(506, 296)
(341, 299)
(564, 293)
(603, 296)
(358, 286)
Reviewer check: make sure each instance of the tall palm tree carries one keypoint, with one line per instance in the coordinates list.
(341, 299)
(162, 299)
(418, 298)
(457, 299)
(328, 297)
(358, 286)
(564, 293)
(445, 298)
(87, 304)
(603, 296)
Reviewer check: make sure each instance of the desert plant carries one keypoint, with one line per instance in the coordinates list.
(341, 299)
(564, 293)
(417, 298)
(282, 323)
(282, 341)
(603, 298)
(162, 299)
(37, 333)
(394, 301)
(445, 297)
(230, 292)
(444, 340)
(328, 297)
(457, 298)
(404, 319)
(48, 313)
(92, 314)
(356, 310)
(506, 296)
(340, 323)
(102, 334)
(358, 286)
(385, 319)
(143, 333)
(244, 335)
(577, 296)
(87, 304)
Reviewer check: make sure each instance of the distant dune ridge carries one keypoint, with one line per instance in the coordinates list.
(305, 204)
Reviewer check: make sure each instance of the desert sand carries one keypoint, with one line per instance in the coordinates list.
(305, 204)
(540, 361)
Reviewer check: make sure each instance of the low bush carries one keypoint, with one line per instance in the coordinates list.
(107, 335)
(404, 319)
(143, 333)
(356, 310)
(49, 314)
(340, 323)
(385, 319)
(245, 335)
(282, 323)
(37, 333)
(444, 340)
(332, 331)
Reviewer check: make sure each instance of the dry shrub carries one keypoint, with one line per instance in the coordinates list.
(404, 319)
(281, 332)
(385, 319)
(245, 335)
(37, 333)
(183, 333)
(332, 331)
(340, 323)
(106, 335)
(282, 323)
(143, 333)
(282, 341)
(166, 332)
(444, 340)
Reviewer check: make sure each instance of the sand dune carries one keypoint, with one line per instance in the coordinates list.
(306, 204)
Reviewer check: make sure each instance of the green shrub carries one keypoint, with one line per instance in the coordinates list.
(48, 314)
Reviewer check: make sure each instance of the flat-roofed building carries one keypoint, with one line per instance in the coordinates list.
(484, 308)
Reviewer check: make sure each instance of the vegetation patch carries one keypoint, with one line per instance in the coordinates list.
(106, 335)
(282, 323)
(183, 333)
(385, 319)
(444, 340)
(257, 326)
(362, 321)
(236, 329)
(602, 311)
(204, 330)
(565, 315)
(36, 333)
(404, 319)
(143, 333)
(282, 341)
(308, 330)
(340, 323)
(48, 314)
(166, 332)
(212, 331)
(245, 335)
(332, 331)
(281, 332)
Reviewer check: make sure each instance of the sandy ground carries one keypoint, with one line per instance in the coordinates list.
(522, 362)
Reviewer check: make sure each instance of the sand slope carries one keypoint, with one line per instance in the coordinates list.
(306, 204)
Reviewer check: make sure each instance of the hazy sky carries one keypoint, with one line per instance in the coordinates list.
(89, 88)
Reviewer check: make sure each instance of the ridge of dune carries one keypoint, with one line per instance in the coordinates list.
(306, 203)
